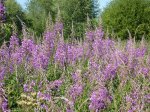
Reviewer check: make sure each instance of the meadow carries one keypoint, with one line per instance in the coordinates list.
(97, 74)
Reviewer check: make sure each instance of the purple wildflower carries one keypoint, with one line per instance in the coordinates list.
(58, 27)
(94, 65)
(54, 84)
(140, 52)
(40, 58)
(69, 110)
(43, 106)
(144, 71)
(28, 45)
(25, 87)
(133, 100)
(3, 100)
(90, 36)
(60, 56)
(14, 42)
(29, 87)
(110, 71)
(5, 106)
(147, 98)
(99, 99)
(49, 43)
(17, 57)
(77, 77)
(99, 33)
(122, 57)
(44, 96)
(74, 53)
(2, 73)
(75, 91)
(5, 54)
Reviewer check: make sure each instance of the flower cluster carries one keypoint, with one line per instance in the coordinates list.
(43, 96)
(3, 100)
(75, 91)
(110, 71)
(2, 73)
(40, 59)
(54, 84)
(77, 88)
(29, 87)
(133, 101)
(109, 68)
(100, 99)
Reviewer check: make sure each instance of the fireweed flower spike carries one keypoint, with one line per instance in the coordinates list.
(133, 100)
(43, 96)
(54, 84)
(60, 56)
(49, 43)
(40, 58)
(2, 72)
(14, 43)
(109, 71)
(99, 99)
(5, 106)
(29, 87)
(77, 88)
(28, 45)
(75, 91)
(58, 27)
(77, 78)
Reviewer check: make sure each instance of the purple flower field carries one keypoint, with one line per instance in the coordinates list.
(94, 75)
(97, 74)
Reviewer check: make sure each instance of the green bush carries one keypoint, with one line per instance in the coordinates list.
(121, 16)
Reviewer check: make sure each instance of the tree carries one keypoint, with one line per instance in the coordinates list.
(10, 12)
(38, 11)
(71, 11)
(15, 14)
(76, 11)
(123, 15)
(13, 17)
(2, 19)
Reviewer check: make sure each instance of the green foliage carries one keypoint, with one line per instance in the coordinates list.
(37, 12)
(83, 101)
(71, 11)
(5, 32)
(123, 15)
(53, 73)
(15, 14)
(76, 11)
(13, 90)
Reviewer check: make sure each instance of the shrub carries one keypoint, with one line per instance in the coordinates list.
(123, 15)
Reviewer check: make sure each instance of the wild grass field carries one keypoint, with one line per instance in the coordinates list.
(97, 74)
(69, 65)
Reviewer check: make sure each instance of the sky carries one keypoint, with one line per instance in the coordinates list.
(102, 3)
(22, 3)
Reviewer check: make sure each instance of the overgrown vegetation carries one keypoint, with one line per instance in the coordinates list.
(123, 16)
(55, 74)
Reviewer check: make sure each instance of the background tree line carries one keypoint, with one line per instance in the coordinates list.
(123, 16)
(38, 11)
(118, 19)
